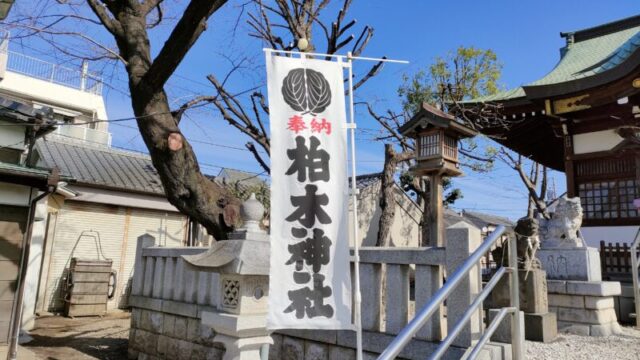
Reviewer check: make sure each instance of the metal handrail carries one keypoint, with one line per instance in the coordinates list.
(421, 318)
(634, 276)
(444, 345)
(493, 326)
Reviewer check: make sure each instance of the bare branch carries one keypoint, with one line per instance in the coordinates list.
(183, 36)
(255, 153)
(112, 25)
(375, 69)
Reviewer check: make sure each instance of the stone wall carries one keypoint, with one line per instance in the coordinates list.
(340, 345)
(625, 304)
(161, 332)
(583, 307)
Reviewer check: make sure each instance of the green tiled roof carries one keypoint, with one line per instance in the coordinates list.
(581, 59)
(593, 56)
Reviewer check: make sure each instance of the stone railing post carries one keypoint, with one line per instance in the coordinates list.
(462, 240)
(144, 241)
(243, 264)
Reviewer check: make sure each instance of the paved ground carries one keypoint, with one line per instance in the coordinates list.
(60, 338)
(24, 354)
(572, 347)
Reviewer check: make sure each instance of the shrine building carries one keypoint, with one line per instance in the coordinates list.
(583, 119)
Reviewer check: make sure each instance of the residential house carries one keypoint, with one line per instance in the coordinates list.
(487, 223)
(117, 198)
(20, 188)
(111, 198)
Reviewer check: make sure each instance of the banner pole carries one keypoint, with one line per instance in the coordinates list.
(354, 201)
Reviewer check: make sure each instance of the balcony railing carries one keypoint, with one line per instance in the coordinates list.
(80, 79)
(84, 133)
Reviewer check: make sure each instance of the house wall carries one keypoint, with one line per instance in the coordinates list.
(13, 222)
(104, 196)
(36, 250)
(595, 141)
(11, 136)
(29, 88)
(12, 194)
(14, 208)
(614, 234)
(118, 227)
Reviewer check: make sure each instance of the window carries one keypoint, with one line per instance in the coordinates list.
(450, 148)
(611, 199)
(429, 145)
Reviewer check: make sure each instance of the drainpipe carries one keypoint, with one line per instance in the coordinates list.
(52, 183)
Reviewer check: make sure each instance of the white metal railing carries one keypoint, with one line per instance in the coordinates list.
(80, 79)
(85, 133)
(422, 317)
(634, 275)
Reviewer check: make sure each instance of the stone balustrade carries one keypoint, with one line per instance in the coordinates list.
(168, 299)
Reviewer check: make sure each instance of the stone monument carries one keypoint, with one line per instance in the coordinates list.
(540, 324)
(243, 265)
(563, 253)
(583, 302)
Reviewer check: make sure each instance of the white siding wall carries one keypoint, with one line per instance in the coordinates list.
(118, 228)
(614, 234)
(12, 136)
(595, 141)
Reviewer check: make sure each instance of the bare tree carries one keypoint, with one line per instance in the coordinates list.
(284, 26)
(120, 30)
(465, 73)
(535, 182)
(127, 24)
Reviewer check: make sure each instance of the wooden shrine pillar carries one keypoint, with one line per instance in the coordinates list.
(568, 163)
(436, 218)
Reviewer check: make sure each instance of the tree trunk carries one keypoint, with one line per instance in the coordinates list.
(387, 203)
(185, 186)
(425, 222)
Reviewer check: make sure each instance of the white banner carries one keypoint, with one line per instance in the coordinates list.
(309, 282)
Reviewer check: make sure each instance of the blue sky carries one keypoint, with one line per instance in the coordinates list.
(524, 35)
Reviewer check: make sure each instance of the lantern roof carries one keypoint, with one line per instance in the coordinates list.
(431, 117)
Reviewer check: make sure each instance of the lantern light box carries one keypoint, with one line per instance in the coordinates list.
(436, 135)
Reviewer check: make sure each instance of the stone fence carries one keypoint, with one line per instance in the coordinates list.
(168, 299)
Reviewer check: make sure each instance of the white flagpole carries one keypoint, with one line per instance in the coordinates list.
(357, 296)
(354, 204)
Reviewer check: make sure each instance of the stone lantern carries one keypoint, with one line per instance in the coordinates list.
(243, 265)
(436, 136)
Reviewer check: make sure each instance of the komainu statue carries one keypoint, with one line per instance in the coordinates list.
(563, 229)
(527, 242)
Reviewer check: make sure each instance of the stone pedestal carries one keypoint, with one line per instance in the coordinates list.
(541, 327)
(503, 332)
(580, 263)
(584, 307)
(533, 302)
(241, 335)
